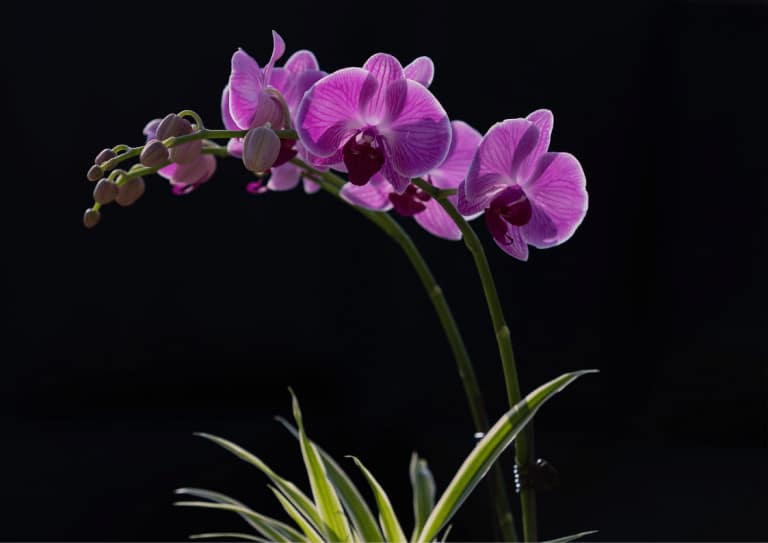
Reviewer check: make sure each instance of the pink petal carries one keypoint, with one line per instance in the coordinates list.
(453, 170)
(544, 121)
(310, 187)
(399, 182)
(421, 70)
(226, 116)
(418, 132)
(301, 61)
(374, 195)
(245, 89)
(328, 114)
(557, 190)
(436, 221)
(507, 237)
(278, 49)
(385, 69)
(491, 185)
(284, 177)
(192, 173)
(235, 147)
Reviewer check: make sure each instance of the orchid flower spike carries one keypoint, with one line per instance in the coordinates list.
(530, 196)
(375, 119)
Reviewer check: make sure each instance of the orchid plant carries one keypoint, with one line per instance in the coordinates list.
(376, 138)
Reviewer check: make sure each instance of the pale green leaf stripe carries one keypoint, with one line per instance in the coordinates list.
(228, 535)
(272, 529)
(297, 517)
(215, 497)
(488, 450)
(331, 511)
(290, 490)
(389, 523)
(357, 509)
(423, 492)
(573, 537)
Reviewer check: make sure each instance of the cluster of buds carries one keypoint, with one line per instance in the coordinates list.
(119, 186)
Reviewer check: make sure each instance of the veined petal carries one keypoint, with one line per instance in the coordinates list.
(282, 80)
(301, 61)
(226, 116)
(436, 221)
(557, 189)
(421, 70)
(544, 121)
(301, 84)
(374, 195)
(329, 112)
(278, 49)
(198, 171)
(245, 88)
(385, 69)
(398, 181)
(284, 177)
(418, 132)
(453, 170)
(508, 237)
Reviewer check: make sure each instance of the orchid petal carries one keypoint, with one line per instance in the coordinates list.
(282, 80)
(284, 177)
(453, 170)
(278, 49)
(385, 69)
(508, 237)
(226, 116)
(418, 132)
(557, 189)
(301, 84)
(399, 182)
(245, 89)
(196, 172)
(301, 61)
(544, 121)
(421, 70)
(150, 129)
(235, 147)
(374, 195)
(328, 114)
(436, 221)
(491, 184)
(310, 187)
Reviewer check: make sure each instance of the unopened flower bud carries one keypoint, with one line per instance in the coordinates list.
(91, 218)
(95, 173)
(129, 192)
(105, 192)
(154, 154)
(104, 155)
(260, 149)
(173, 125)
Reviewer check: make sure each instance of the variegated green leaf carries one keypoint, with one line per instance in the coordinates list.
(229, 535)
(297, 517)
(423, 485)
(569, 538)
(357, 509)
(389, 523)
(485, 453)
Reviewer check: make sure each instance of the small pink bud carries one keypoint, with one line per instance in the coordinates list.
(260, 149)
(154, 154)
(105, 192)
(95, 173)
(129, 192)
(91, 218)
(173, 125)
(104, 155)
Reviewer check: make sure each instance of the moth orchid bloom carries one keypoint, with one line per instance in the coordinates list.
(379, 195)
(241, 107)
(183, 177)
(530, 196)
(374, 119)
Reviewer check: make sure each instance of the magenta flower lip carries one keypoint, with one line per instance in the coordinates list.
(530, 196)
(384, 114)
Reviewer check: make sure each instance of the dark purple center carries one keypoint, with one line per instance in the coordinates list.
(509, 206)
(363, 157)
(410, 202)
(287, 152)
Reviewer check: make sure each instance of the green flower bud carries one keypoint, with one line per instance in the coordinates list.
(91, 218)
(105, 192)
(129, 192)
(154, 154)
(260, 149)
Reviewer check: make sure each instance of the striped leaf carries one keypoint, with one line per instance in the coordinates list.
(389, 523)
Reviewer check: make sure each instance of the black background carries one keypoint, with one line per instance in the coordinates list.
(196, 313)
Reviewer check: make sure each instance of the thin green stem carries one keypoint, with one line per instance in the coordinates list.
(332, 184)
(524, 443)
